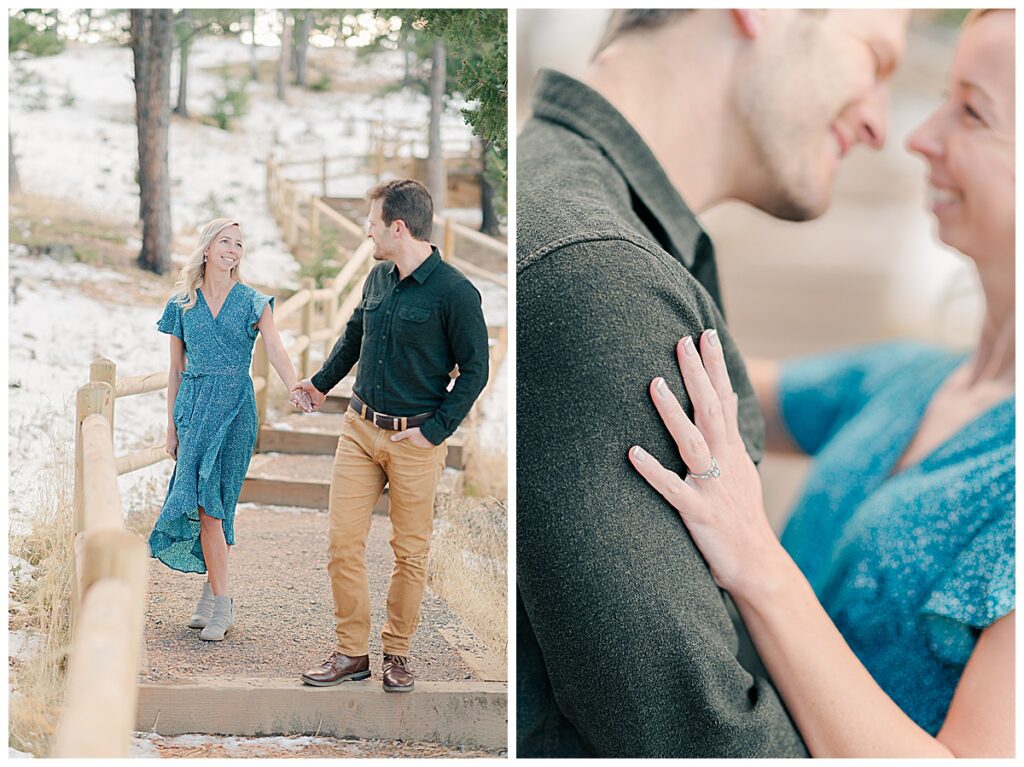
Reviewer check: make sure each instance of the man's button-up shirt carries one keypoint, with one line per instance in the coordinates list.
(409, 334)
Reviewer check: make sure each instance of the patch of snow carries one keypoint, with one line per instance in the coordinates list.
(19, 570)
(22, 643)
(13, 753)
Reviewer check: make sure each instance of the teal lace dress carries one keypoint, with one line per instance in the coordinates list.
(910, 566)
(215, 415)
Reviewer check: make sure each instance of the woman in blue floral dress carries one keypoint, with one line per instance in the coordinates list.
(213, 320)
(885, 615)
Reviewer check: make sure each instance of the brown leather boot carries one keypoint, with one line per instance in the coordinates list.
(338, 668)
(397, 674)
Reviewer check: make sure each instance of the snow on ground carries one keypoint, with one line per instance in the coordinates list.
(49, 355)
(72, 118)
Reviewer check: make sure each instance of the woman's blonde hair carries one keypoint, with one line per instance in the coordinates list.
(191, 276)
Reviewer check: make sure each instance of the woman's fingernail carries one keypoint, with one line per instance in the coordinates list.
(688, 348)
(639, 453)
(661, 387)
(713, 337)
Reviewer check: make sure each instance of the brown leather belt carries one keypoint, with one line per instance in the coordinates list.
(391, 422)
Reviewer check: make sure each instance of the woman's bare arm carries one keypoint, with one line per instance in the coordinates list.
(276, 352)
(764, 377)
(839, 708)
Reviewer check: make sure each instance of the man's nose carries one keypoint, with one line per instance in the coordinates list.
(871, 117)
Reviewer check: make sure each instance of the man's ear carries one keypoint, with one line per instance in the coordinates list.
(398, 227)
(749, 21)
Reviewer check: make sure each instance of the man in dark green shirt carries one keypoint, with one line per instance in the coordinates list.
(419, 317)
(625, 647)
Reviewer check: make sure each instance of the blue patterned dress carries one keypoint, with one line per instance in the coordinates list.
(912, 566)
(215, 415)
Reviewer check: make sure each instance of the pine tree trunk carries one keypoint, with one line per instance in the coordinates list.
(254, 69)
(301, 46)
(181, 108)
(152, 45)
(488, 218)
(437, 180)
(282, 64)
(13, 182)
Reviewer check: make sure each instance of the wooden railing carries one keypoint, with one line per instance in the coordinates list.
(301, 216)
(108, 592)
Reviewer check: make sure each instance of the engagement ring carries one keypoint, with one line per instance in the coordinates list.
(713, 473)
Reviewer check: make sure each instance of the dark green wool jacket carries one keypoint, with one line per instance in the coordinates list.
(625, 647)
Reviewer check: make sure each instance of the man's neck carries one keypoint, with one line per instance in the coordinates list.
(411, 257)
(681, 110)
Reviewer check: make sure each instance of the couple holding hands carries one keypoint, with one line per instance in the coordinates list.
(418, 319)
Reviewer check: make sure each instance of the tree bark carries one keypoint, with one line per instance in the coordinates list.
(282, 64)
(488, 218)
(301, 46)
(254, 69)
(437, 177)
(152, 45)
(181, 108)
(13, 182)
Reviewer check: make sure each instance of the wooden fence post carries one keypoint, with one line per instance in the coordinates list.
(92, 398)
(323, 176)
(293, 218)
(103, 370)
(449, 240)
(307, 326)
(315, 246)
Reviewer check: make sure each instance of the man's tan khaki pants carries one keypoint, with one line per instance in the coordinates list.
(366, 459)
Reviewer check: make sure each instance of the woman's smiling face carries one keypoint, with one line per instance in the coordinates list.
(969, 142)
(225, 252)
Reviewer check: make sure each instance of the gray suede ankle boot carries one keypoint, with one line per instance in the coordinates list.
(204, 610)
(223, 617)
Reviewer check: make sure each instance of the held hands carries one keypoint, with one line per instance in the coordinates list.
(306, 397)
(415, 436)
(725, 515)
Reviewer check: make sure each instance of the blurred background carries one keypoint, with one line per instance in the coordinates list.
(870, 269)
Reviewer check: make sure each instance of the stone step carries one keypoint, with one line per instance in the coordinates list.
(317, 434)
(284, 624)
(457, 713)
(281, 479)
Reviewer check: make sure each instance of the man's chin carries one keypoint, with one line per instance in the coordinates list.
(798, 207)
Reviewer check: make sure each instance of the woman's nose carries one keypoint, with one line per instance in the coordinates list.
(924, 140)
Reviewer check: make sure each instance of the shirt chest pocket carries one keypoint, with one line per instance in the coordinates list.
(372, 313)
(416, 325)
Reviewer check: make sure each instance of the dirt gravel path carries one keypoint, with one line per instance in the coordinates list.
(284, 619)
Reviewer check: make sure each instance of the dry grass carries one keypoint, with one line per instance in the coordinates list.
(486, 474)
(42, 606)
(469, 564)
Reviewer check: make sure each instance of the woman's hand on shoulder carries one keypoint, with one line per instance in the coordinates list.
(720, 501)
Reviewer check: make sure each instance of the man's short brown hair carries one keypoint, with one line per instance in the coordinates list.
(407, 200)
(623, 20)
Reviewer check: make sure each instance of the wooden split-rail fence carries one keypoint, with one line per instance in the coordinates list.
(111, 563)
(302, 216)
